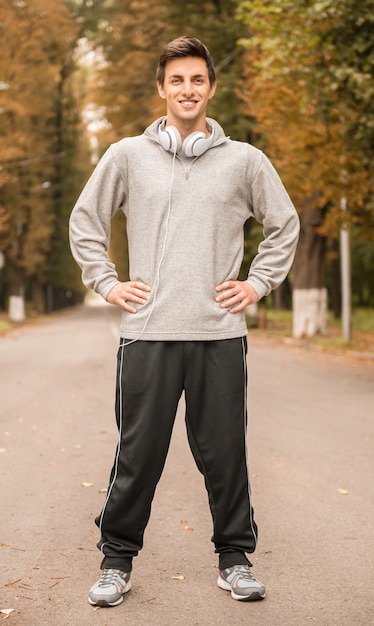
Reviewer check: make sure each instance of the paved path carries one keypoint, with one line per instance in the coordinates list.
(310, 435)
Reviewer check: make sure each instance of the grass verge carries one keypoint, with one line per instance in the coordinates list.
(279, 324)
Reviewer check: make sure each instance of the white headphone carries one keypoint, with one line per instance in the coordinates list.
(193, 146)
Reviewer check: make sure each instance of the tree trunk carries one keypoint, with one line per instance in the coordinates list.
(309, 312)
(277, 298)
(38, 296)
(309, 290)
(15, 280)
(16, 310)
(335, 277)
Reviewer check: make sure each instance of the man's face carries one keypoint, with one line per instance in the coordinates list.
(187, 91)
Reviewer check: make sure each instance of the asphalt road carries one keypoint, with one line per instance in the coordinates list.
(311, 449)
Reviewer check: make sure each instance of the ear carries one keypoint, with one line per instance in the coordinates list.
(161, 91)
(212, 90)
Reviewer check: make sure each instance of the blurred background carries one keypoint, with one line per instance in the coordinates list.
(294, 78)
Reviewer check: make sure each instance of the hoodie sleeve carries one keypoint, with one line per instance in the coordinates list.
(90, 225)
(272, 207)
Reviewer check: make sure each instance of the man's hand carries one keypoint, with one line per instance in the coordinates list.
(236, 295)
(132, 291)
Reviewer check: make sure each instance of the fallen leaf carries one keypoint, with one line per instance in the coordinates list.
(177, 577)
(7, 611)
(343, 492)
(87, 484)
(187, 528)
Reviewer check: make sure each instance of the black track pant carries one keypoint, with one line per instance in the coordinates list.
(151, 377)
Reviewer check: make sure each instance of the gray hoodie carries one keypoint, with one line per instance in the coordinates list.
(185, 231)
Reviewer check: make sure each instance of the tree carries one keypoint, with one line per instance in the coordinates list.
(37, 135)
(309, 87)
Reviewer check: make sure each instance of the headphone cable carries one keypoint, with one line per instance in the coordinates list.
(158, 271)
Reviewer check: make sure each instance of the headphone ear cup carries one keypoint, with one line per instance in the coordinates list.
(194, 144)
(170, 138)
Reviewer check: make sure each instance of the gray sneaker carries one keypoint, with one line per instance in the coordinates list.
(241, 582)
(109, 589)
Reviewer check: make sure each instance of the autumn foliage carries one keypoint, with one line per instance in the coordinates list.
(295, 78)
(309, 86)
(37, 123)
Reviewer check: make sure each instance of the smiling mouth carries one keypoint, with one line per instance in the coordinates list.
(188, 103)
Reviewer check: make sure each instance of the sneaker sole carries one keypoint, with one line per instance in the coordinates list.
(104, 603)
(254, 595)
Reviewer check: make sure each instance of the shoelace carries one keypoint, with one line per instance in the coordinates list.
(108, 577)
(243, 571)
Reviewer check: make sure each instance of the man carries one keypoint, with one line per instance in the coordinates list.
(186, 190)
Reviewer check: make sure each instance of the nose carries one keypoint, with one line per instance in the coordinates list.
(188, 87)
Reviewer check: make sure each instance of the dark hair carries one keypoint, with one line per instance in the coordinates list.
(185, 47)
